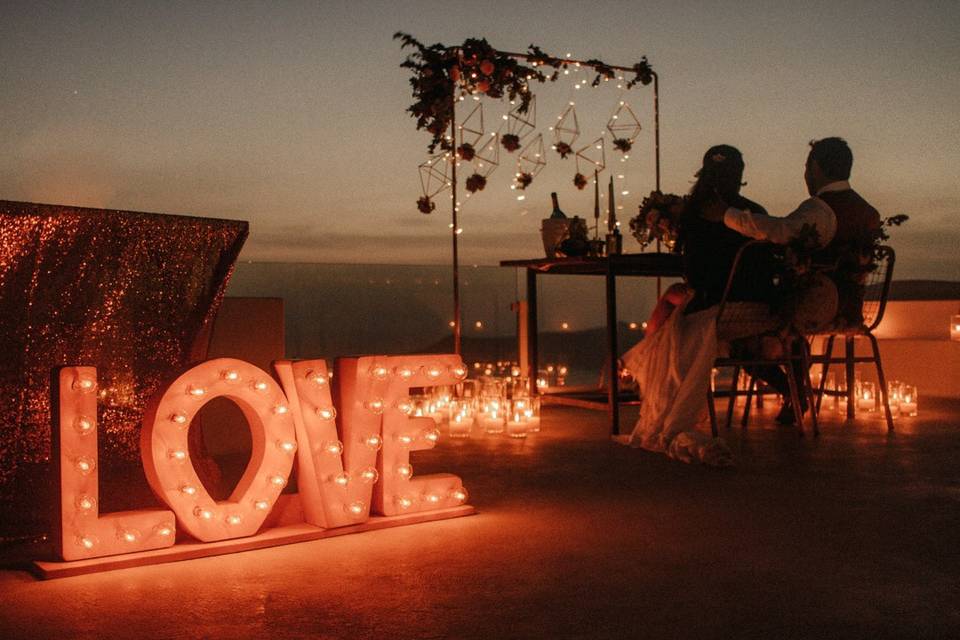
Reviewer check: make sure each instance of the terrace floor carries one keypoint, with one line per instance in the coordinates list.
(852, 535)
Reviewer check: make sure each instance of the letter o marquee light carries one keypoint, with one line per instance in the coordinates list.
(166, 456)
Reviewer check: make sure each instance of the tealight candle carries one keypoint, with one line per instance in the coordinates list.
(867, 397)
(490, 418)
(461, 418)
(517, 420)
(532, 413)
(908, 400)
(893, 395)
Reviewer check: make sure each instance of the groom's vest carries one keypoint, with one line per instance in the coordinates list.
(858, 224)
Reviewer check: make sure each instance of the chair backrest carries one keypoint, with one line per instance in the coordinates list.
(878, 288)
(742, 319)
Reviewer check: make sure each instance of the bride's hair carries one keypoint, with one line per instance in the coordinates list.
(720, 176)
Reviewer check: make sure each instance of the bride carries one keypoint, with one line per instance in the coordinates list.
(673, 363)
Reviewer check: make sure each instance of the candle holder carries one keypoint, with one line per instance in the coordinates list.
(532, 412)
(867, 397)
(908, 400)
(490, 418)
(894, 395)
(461, 418)
(517, 422)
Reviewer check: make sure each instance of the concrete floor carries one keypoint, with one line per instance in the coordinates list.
(854, 535)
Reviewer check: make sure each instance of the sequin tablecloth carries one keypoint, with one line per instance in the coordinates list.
(127, 292)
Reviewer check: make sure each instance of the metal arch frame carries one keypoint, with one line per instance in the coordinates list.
(457, 325)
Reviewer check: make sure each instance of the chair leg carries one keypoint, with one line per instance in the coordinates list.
(882, 380)
(746, 408)
(808, 386)
(734, 391)
(713, 414)
(851, 391)
(827, 354)
(794, 391)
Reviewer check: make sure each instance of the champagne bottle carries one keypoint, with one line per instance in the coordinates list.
(556, 207)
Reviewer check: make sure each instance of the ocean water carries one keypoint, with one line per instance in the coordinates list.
(340, 309)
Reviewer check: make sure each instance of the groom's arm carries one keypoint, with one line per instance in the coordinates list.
(812, 211)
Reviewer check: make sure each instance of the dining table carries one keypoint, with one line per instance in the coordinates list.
(648, 265)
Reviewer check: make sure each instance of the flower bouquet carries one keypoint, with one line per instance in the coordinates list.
(658, 219)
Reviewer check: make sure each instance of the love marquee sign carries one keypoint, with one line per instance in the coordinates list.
(345, 477)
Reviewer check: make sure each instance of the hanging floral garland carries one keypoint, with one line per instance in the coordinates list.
(476, 67)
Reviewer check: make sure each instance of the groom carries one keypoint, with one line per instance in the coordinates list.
(846, 225)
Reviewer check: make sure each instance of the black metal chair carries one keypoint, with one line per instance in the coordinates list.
(877, 288)
(738, 319)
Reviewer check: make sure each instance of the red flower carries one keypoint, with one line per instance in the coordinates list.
(510, 142)
(425, 205)
(580, 181)
(564, 150)
(476, 182)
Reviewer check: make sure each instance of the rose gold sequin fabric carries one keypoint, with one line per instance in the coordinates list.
(124, 291)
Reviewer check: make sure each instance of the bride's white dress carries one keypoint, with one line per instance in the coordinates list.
(672, 369)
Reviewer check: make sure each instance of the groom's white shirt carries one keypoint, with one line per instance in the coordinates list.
(813, 211)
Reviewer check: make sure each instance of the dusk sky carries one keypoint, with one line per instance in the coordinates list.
(292, 115)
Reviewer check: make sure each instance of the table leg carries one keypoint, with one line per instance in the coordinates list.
(533, 353)
(613, 386)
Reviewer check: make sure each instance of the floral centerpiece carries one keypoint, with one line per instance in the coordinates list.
(658, 219)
